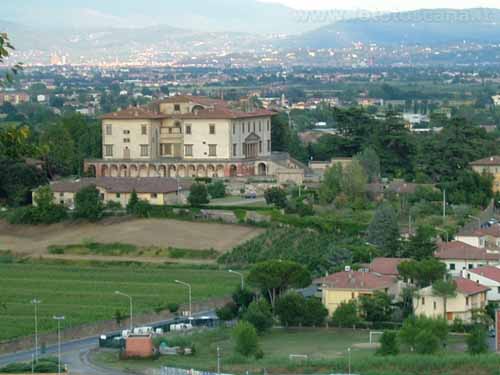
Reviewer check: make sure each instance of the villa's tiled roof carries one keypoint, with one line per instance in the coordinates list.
(132, 113)
(489, 272)
(469, 287)
(357, 280)
(461, 250)
(386, 266)
(120, 184)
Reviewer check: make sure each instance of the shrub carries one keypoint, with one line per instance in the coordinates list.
(246, 340)
(259, 315)
(315, 313)
(291, 309)
(227, 312)
(217, 189)
(412, 326)
(346, 315)
(276, 196)
(173, 307)
(88, 204)
(426, 342)
(477, 340)
(243, 297)
(388, 344)
(198, 195)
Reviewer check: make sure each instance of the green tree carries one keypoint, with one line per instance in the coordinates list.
(198, 195)
(376, 307)
(370, 162)
(353, 183)
(290, 309)
(243, 297)
(280, 132)
(346, 315)
(132, 202)
(315, 313)
(276, 196)
(477, 340)
(17, 179)
(444, 289)
(426, 342)
(422, 245)
(6, 48)
(423, 272)
(383, 230)
(246, 339)
(388, 344)
(331, 185)
(15, 141)
(275, 277)
(412, 326)
(259, 315)
(217, 189)
(88, 204)
(227, 312)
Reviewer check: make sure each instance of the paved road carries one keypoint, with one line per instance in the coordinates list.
(75, 353)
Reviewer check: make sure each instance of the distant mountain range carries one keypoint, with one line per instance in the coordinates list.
(425, 27)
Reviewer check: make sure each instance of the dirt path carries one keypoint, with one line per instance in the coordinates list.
(34, 240)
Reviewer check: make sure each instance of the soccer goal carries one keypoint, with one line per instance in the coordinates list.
(374, 334)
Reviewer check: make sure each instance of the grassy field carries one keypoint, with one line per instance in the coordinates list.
(327, 353)
(86, 293)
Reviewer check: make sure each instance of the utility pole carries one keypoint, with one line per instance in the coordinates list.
(36, 302)
(59, 319)
(218, 360)
(190, 295)
(130, 308)
(444, 206)
(349, 360)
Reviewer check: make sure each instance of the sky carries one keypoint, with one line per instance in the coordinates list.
(386, 5)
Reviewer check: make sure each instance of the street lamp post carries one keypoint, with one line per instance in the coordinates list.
(241, 276)
(59, 319)
(190, 300)
(131, 308)
(36, 302)
(349, 360)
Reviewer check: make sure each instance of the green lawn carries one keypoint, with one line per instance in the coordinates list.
(86, 293)
(326, 350)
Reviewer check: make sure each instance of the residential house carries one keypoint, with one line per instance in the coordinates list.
(349, 285)
(469, 297)
(386, 266)
(488, 237)
(489, 165)
(460, 256)
(155, 190)
(488, 276)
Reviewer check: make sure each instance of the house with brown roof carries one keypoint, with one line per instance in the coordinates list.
(155, 190)
(470, 296)
(386, 266)
(488, 237)
(490, 165)
(349, 285)
(459, 256)
(488, 276)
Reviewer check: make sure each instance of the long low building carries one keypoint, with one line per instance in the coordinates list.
(155, 190)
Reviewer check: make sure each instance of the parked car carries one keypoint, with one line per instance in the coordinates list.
(251, 195)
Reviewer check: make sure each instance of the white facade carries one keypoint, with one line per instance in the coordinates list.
(494, 293)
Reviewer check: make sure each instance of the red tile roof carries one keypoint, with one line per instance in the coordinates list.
(461, 250)
(492, 160)
(133, 113)
(357, 280)
(489, 272)
(386, 266)
(493, 231)
(469, 287)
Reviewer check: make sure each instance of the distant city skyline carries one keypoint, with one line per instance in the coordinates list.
(387, 5)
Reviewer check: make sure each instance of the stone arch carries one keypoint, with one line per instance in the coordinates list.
(143, 171)
(233, 170)
(211, 171)
(191, 171)
(104, 171)
(172, 171)
(201, 171)
(162, 171)
(219, 170)
(133, 171)
(262, 169)
(181, 171)
(123, 170)
(114, 171)
(152, 172)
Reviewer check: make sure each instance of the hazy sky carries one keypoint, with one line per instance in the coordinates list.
(385, 5)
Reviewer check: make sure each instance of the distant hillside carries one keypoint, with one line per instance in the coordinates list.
(427, 27)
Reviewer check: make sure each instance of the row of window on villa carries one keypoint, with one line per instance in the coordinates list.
(251, 126)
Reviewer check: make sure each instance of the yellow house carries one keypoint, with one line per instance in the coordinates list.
(349, 285)
(470, 296)
(155, 190)
(489, 165)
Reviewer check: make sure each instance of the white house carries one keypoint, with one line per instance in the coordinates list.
(459, 256)
(483, 237)
(488, 276)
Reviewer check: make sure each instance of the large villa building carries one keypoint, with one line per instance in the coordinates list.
(189, 136)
